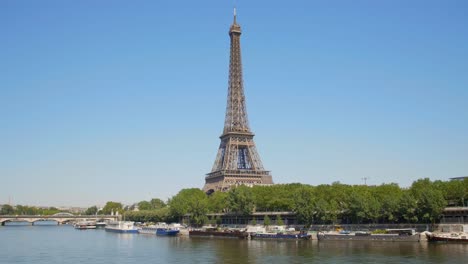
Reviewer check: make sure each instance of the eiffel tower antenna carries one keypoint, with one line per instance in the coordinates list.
(237, 161)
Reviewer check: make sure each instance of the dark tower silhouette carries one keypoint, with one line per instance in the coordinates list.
(237, 161)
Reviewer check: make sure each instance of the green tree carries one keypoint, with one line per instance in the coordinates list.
(363, 206)
(430, 200)
(157, 203)
(144, 205)
(217, 202)
(7, 210)
(91, 210)
(454, 192)
(254, 221)
(240, 200)
(303, 205)
(266, 221)
(112, 207)
(190, 201)
(279, 221)
(156, 215)
(407, 209)
(389, 197)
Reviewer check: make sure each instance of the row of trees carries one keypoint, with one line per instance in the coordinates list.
(423, 202)
(7, 209)
(116, 207)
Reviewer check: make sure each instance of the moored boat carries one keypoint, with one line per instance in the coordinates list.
(280, 235)
(392, 235)
(450, 237)
(160, 229)
(212, 232)
(100, 224)
(449, 233)
(121, 227)
(84, 225)
(166, 231)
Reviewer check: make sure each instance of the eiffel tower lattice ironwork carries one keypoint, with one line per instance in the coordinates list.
(237, 161)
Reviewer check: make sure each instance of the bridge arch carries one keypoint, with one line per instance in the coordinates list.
(3, 221)
(43, 220)
(63, 214)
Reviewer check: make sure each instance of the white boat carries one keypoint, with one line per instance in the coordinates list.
(100, 224)
(121, 227)
(449, 233)
(83, 225)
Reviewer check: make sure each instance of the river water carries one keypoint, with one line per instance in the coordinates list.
(41, 244)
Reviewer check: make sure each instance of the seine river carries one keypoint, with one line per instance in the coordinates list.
(63, 244)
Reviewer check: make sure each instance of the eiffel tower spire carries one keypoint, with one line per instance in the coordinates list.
(237, 161)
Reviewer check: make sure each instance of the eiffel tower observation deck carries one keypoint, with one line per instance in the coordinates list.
(237, 161)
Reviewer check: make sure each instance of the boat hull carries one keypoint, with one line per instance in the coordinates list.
(166, 232)
(115, 230)
(147, 232)
(445, 238)
(281, 236)
(85, 227)
(376, 237)
(234, 234)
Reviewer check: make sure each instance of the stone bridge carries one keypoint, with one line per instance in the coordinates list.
(59, 218)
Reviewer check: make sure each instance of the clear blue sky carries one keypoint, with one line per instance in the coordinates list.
(125, 100)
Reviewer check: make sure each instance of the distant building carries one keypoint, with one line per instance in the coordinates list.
(458, 215)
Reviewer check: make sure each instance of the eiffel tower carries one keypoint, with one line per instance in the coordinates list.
(237, 161)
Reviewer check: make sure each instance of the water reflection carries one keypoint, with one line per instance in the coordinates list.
(26, 223)
(266, 251)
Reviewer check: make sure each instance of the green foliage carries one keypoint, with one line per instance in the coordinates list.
(190, 201)
(275, 197)
(91, 210)
(430, 200)
(157, 203)
(217, 202)
(144, 205)
(240, 200)
(112, 207)
(304, 205)
(279, 221)
(266, 221)
(254, 221)
(363, 206)
(153, 204)
(7, 210)
(379, 231)
(28, 210)
(454, 192)
(407, 208)
(389, 197)
(155, 215)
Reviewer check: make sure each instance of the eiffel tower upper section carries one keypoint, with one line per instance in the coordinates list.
(236, 111)
(237, 161)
